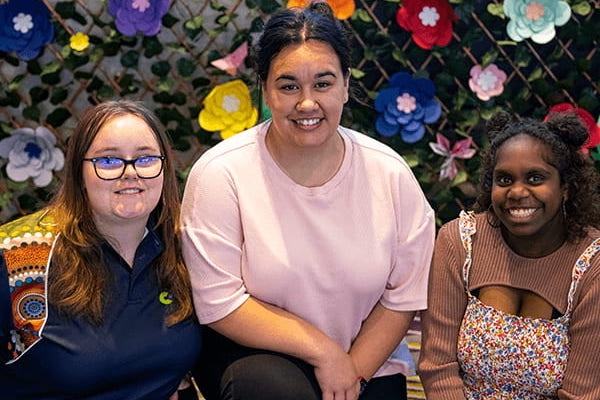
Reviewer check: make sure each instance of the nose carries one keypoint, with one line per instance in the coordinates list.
(130, 171)
(307, 101)
(518, 191)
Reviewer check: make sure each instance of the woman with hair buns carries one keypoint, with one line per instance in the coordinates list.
(515, 289)
(308, 243)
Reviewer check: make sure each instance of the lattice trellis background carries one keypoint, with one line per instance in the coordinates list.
(172, 73)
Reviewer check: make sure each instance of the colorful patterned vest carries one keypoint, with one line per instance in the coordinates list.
(26, 245)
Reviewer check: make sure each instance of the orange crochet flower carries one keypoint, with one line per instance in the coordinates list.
(342, 9)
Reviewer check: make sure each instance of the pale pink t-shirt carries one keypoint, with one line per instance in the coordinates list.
(327, 254)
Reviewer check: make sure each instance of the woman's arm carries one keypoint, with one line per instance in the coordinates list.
(262, 325)
(582, 374)
(379, 336)
(438, 363)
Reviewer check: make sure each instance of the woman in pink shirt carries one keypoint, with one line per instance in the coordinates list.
(308, 244)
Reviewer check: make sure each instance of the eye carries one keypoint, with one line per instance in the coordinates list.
(109, 162)
(289, 87)
(536, 179)
(503, 180)
(322, 85)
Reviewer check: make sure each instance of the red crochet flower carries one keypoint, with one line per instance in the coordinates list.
(430, 21)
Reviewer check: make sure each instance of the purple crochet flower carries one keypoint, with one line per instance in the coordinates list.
(138, 15)
(25, 27)
(406, 105)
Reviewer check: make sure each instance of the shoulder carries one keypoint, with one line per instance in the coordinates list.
(370, 146)
(37, 227)
(234, 147)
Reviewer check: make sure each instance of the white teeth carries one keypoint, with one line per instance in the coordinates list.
(129, 191)
(307, 122)
(521, 212)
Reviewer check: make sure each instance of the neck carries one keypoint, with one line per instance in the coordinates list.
(538, 245)
(311, 166)
(123, 237)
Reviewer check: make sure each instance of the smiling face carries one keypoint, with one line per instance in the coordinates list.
(128, 198)
(527, 194)
(306, 90)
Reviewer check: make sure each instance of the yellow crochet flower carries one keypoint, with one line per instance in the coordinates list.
(228, 109)
(79, 41)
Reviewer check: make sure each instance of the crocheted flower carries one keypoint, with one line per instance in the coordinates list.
(461, 149)
(31, 154)
(342, 9)
(79, 41)
(25, 27)
(535, 19)
(138, 15)
(406, 105)
(586, 118)
(228, 109)
(430, 21)
(487, 82)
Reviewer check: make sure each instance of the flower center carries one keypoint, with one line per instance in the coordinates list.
(230, 103)
(33, 150)
(429, 16)
(140, 5)
(406, 103)
(22, 23)
(534, 11)
(487, 80)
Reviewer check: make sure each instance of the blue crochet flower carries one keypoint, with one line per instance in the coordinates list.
(138, 15)
(406, 105)
(25, 27)
(535, 19)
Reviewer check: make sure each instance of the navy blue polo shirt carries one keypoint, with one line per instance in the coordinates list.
(133, 355)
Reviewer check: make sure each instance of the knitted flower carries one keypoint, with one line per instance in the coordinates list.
(488, 82)
(138, 15)
(406, 105)
(79, 41)
(25, 27)
(31, 154)
(461, 149)
(228, 108)
(342, 9)
(430, 21)
(535, 19)
(586, 118)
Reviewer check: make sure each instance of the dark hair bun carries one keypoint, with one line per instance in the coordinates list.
(498, 122)
(569, 127)
(321, 7)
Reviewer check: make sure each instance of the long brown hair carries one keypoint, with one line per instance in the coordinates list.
(78, 278)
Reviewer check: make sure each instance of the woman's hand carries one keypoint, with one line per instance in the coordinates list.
(337, 376)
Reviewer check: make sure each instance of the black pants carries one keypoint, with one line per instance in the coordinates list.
(228, 371)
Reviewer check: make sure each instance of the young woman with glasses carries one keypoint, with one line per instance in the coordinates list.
(98, 302)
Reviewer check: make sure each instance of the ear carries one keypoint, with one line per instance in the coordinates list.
(565, 192)
(264, 96)
(347, 85)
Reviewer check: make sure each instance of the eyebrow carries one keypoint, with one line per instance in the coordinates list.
(116, 149)
(317, 76)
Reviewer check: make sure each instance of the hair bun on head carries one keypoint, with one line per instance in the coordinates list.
(498, 122)
(321, 7)
(569, 127)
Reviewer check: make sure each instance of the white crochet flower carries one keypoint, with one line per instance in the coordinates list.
(31, 154)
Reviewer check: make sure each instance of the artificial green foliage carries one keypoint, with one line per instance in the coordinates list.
(172, 73)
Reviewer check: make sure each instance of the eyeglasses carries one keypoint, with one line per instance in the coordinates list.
(110, 168)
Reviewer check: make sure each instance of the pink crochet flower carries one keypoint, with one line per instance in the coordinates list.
(461, 149)
(488, 82)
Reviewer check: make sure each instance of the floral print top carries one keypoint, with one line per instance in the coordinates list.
(505, 356)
